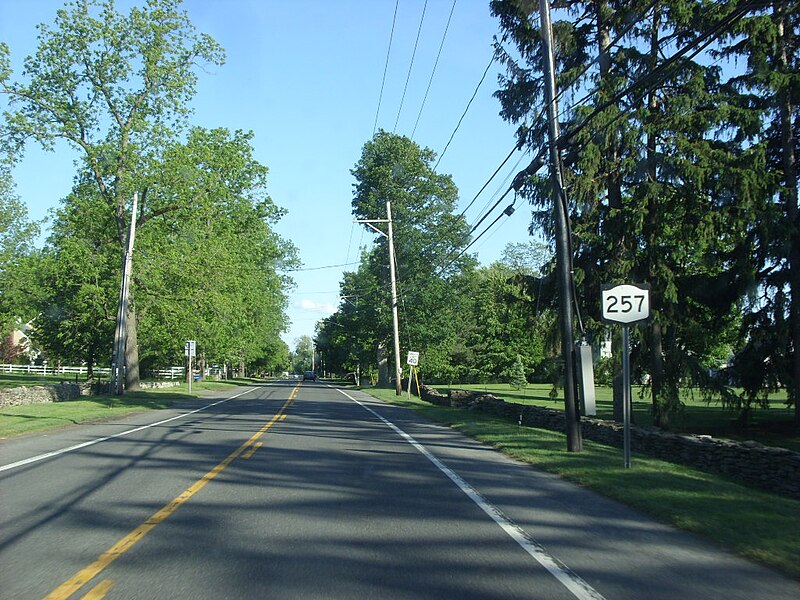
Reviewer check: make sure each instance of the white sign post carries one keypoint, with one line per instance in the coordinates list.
(190, 350)
(626, 304)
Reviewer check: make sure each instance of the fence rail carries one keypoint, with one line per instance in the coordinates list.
(171, 373)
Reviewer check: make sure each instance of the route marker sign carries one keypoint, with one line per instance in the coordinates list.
(625, 304)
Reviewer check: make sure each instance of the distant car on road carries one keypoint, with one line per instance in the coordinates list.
(309, 375)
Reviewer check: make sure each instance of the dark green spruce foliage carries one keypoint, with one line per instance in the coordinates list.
(666, 182)
(765, 44)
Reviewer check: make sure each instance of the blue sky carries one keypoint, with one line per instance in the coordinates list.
(305, 76)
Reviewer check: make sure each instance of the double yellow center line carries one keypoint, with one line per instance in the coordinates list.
(85, 575)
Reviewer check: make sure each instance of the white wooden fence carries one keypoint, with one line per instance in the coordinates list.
(171, 373)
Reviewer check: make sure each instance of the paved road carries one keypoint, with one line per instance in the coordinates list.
(305, 491)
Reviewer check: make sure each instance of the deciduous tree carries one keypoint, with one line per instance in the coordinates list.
(117, 88)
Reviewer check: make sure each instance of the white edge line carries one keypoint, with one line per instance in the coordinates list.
(47, 455)
(579, 588)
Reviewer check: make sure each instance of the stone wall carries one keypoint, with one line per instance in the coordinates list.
(36, 394)
(772, 469)
(39, 394)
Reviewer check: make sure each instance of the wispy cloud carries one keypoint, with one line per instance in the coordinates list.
(317, 307)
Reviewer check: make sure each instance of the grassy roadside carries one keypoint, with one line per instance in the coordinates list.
(18, 420)
(770, 426)
(755, 524)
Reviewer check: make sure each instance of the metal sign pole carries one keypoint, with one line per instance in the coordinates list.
(626, 395)
(626, 304)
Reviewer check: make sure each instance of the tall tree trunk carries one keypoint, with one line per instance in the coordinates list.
(790, 200)
(661, 417)
(132, 382)
(383, 365)
(613, 175)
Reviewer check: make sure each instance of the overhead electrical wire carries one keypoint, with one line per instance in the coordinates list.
(649, 79)
(433, 71)
(488, 181)
(322, 267)
(655, 76)
(385, 68)
(571, 133)
(464, 114)
(410, 65)
(596, 60)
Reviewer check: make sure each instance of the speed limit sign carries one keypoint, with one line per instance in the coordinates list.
(626, 304)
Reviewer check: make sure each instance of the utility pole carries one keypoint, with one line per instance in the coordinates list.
(120, 333)
(563, 260)
(398, 370)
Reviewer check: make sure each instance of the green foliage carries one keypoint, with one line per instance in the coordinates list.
(765, 43)
(16, 246)
(667, 182)
(517, 378)
(302, 357)
(210, 269)
(427, 238)
(206, 263)
(117, 88)
(207, 269)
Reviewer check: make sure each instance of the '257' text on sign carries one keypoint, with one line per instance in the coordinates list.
(626, 304)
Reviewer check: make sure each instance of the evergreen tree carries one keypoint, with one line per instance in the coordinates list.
(517, 379)
(662, 188)
(766, 42)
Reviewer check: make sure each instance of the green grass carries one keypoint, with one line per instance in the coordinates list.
(11, 380)
(18, 420)
(770, 426)
(755, 524)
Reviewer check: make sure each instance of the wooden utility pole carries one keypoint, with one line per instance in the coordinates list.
(398, 369)
(120, 333)
(563, 259)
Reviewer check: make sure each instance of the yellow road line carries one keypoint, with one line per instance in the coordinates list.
(254, 447)
(85, 575)
(100, 590)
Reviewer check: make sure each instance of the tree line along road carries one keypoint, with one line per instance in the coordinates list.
(302, 490)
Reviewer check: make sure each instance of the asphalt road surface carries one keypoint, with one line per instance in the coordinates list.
(300, 490)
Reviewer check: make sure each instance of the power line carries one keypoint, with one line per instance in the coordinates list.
(661, 71)
(596, 60)
(650, 79)
(433, 72)
(323, 267)
(385, 68)
(495, 205)
(410, 66)
(488, 181)
(464, 114)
